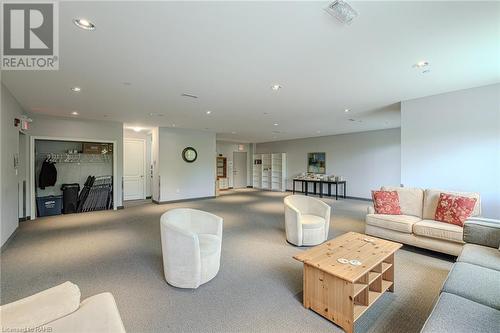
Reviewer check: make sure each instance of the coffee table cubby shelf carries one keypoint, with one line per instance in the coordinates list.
(372, 285)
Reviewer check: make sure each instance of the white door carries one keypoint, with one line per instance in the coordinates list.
(134, 161)
(239, 169)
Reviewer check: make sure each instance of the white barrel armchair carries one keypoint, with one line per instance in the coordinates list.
(307, 220)
(191, 245)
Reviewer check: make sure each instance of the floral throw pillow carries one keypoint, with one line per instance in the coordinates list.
(386, 202)
(454, 209)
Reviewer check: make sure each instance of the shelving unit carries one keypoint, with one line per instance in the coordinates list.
(372, 285)
(221, 167)
(269, 171)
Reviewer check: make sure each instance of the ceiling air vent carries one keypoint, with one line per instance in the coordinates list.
(189, 95)
(342, 11)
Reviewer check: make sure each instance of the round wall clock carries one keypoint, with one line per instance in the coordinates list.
(189, 154)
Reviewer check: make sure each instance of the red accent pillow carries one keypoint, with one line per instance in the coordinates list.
(454, 209)
(386, 202)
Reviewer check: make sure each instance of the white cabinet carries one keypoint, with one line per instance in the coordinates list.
(269, 171)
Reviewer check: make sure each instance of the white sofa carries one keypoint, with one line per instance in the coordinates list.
(416, 226)
(58, 309)
(307, 220)
(191, 243)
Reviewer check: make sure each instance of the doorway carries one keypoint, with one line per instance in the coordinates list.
(134, 169)
(22, 176)
(239, 169)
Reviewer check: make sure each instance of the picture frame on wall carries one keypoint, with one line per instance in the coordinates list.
(316, 163)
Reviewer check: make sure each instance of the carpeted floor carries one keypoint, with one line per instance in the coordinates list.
(259, 285)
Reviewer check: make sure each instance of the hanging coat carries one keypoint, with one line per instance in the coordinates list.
(48, 175)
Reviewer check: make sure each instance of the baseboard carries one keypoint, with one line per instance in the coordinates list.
(4, 246)
(182, 200)
(120, 207)
(26, 218)
(333, 196)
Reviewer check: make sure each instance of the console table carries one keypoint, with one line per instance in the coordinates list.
(305, 186)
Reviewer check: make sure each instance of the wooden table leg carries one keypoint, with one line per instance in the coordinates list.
(336, 191)
(293, 192)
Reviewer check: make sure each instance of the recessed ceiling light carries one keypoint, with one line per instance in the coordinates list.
(347, 110)
(84, 24)
(275, 124)
(76, 89)
(137, 129)
(421, 64)
(209, 112)
(276, 87)
(74, 113)
(173, 125)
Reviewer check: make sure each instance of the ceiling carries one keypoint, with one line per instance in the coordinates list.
(231, 53)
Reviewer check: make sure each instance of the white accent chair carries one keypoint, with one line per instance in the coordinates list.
(307, 220)
(191, 243)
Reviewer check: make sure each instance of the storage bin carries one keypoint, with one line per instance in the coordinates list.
(50, 205)
(70, 197)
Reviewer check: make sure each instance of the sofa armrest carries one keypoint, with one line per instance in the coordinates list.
(482, 231)
(42, 308)
(370, 210)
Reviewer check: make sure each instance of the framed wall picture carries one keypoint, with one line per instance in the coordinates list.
(316, 163)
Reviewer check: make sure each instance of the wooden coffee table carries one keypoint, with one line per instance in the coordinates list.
(343, 292)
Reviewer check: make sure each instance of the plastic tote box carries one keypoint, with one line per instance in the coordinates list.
(51, 205)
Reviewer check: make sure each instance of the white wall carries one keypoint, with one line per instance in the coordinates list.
(367, 160)
(180, 180)
(452, 141)
(9, 145)
(226, 149)
(81, 129)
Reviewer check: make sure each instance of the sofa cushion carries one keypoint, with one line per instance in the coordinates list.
(312, 221)
(440, 230)
(411, 200)
(431, 198)
(474, 282)
(480, 255)
(401, 223)
(98, 314)
(386, 202)
(456, 314)
(454, 209)
(482, 231)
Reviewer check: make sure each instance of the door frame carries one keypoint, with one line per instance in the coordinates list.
(144, 173)
(32, 167)
(246, 168)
